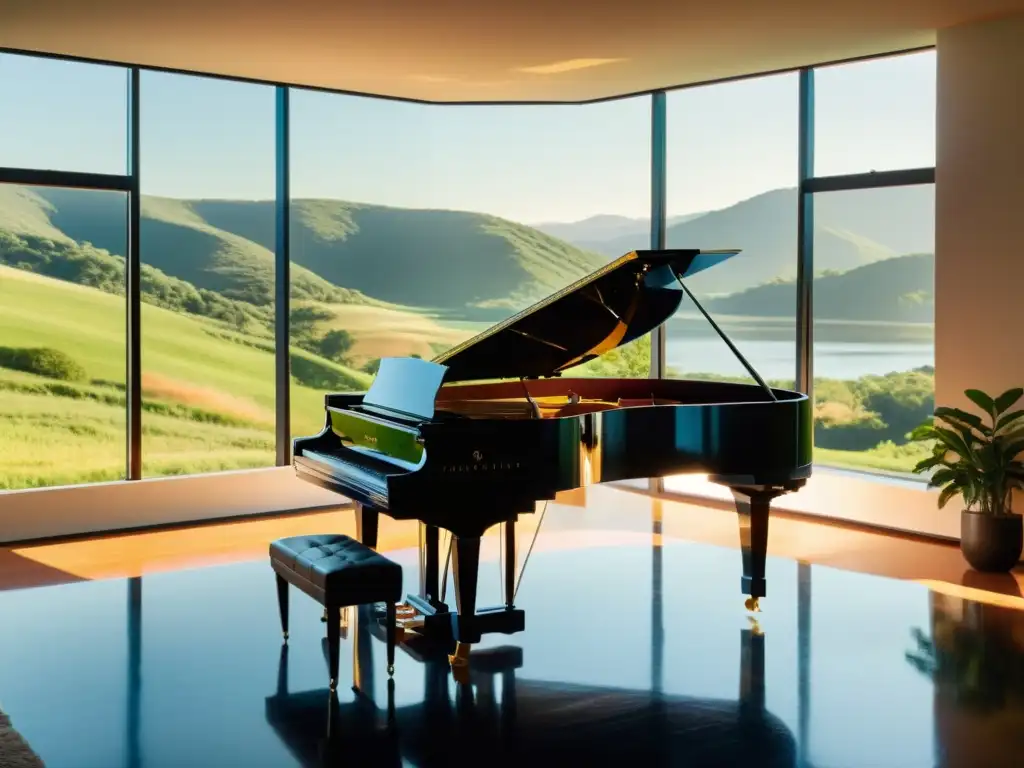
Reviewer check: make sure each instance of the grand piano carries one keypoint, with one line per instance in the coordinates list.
(485, 431)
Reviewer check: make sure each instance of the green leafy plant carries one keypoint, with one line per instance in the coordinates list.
(975, 457)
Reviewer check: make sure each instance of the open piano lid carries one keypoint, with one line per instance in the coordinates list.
(618, 303)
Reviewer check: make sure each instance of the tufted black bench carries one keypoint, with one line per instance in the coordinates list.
(337, 571)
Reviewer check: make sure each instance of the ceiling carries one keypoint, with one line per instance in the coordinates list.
(483, 50)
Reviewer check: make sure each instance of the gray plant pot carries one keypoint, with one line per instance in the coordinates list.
(991, 543)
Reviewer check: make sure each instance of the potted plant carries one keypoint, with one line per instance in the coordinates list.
(976, 458)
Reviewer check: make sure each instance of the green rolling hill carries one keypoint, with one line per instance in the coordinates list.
(178, 241)
(453, 261)
(899, 290)
(450, 260)
(208, 390)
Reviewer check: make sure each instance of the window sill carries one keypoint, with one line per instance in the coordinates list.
(880, 501)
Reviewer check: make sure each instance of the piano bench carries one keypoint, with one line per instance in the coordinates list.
(337, 571)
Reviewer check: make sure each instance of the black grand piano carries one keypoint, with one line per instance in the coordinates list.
(483, 432)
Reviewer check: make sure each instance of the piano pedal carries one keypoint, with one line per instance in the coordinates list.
(404, 610)
(753, 604)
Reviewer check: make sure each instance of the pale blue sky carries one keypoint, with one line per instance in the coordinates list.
(215, 139)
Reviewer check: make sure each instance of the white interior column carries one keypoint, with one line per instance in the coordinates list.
(979, 200)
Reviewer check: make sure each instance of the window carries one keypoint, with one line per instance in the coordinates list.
(207, 239)
(63, 116)
(876, 115)
(732, 172)
(874, 309)
(416, 226)
(62, 336)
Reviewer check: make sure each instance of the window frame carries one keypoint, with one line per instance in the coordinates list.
(808, 185)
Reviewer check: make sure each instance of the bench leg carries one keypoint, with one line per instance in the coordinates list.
(282, 604)
(333, 643)
(391, 620)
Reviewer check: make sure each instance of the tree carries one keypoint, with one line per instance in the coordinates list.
(335, 345)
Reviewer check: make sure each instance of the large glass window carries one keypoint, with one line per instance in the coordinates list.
(62, 336)
(207, 239)
(414, 227)
(874, 310)
(876, 115)
(732, 172)
(62, 116)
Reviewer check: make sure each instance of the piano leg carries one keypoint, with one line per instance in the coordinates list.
(752, 506)
(510, 564)
(751, 674)
(367, 519)
(430, 564)
(466, 567)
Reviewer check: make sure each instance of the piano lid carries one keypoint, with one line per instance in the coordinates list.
(618, 303)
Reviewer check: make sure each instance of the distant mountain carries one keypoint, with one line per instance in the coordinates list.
(851, 229)
(593, 232)
(596, 232)
(900, 289)
(764, 228)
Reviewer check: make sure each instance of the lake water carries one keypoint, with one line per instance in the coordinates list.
(777, 359)
(842, 349)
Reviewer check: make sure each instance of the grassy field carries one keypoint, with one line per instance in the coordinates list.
(208, 388)
(208, 391)
(381, 331)
(893, 459)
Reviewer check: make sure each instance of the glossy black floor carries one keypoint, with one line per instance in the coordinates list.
(631, 654)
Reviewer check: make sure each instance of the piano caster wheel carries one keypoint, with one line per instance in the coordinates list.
(460, 662)
(753, 604)
(391, 670)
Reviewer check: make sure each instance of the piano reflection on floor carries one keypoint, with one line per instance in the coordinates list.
(497, 718)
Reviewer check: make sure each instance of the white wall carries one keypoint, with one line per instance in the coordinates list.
(979, 201)
(39, 513)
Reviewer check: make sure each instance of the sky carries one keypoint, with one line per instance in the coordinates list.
(208, 138)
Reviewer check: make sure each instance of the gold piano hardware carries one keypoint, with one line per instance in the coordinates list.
(488, 466)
